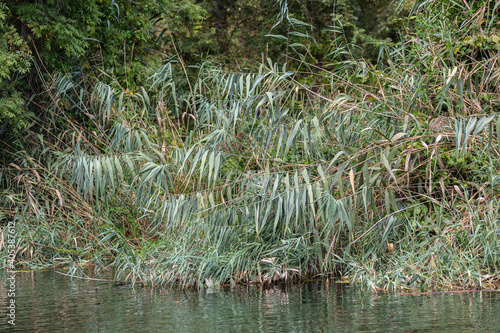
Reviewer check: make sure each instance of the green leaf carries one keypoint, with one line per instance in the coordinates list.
(387, 165)
(277, 36)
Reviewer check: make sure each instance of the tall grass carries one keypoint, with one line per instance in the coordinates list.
(387, 174)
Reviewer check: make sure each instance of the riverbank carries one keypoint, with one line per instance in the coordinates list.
(387, 173)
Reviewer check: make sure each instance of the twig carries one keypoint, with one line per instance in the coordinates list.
(86, 278)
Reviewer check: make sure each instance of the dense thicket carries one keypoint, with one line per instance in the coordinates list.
(119, 42)
(217, 142)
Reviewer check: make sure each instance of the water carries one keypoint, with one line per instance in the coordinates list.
(49, 302)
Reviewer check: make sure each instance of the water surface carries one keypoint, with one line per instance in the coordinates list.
(49, 302)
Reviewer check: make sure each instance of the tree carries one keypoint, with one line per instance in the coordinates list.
(15, 61)
(108, 38)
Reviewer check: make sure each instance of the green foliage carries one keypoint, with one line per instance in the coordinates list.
(123, 40)
(14, 116)
(203, 175)
(15, 60)
(15, 56)
(104, 38)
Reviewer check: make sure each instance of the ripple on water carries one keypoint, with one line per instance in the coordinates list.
(49, 302)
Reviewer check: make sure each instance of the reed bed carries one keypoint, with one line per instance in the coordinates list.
(386, 174)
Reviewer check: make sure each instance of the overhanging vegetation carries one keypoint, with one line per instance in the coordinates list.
(387, 173)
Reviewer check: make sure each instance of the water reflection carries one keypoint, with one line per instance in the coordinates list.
(48, 302)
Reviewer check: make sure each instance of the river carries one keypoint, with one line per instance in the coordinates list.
(50, 302)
